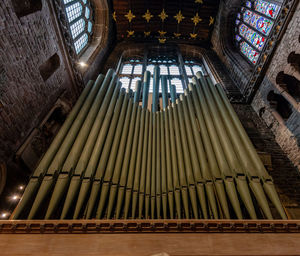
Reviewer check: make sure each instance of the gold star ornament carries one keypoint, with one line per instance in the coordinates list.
(114, 16)
(147, 33)
(130, 33)
(177, 35)
(211, 21)
(163, 15)
(196, 19)
(193, 36)
(179, 17)
(130, 16)
(162, 40)
(162, 33)
(147, 16)
(199, 1)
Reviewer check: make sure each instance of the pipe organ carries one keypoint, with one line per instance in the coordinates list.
(115, 159)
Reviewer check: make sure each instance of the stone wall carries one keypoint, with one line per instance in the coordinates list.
(286, 130)
(25, 44)
(285, 174)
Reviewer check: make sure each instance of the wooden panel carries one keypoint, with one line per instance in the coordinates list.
(189, 8)
(150, 244)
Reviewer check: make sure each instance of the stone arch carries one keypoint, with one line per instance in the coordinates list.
(294, 60)
(278, 103)
(26, 7)
(290, 84)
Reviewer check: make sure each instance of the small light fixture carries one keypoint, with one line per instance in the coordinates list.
(82, 64)
(15, 197)
(21, 187)
(4, 215)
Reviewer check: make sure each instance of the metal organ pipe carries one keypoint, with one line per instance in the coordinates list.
(113, 158)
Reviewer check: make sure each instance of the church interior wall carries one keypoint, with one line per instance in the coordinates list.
(286, 130)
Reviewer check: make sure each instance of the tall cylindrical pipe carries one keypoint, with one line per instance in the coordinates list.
(62, 153)
(122, 101)
(94, 158)
(43, 165)
(149, 166)
(131, 171)
(164, 188)
(87, 151)
(143, 166)
(158, 167)
(146, 85)
(125, 146)
(164, 88)
(173, 93)
(132, 138)
(113, 151)
(182, 173)
(137, 93)
(137, 176)
(156, 77)
(253, 154)
(176, 184)
(232, 159)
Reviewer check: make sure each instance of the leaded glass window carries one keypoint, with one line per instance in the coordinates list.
(132, 70)
(79, 16)
(253, 26)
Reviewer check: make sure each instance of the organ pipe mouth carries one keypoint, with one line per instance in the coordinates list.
(114, 158)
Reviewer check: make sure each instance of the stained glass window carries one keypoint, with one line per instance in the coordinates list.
(266, 8)
(79, 15)
(253, 26)
(249, 52)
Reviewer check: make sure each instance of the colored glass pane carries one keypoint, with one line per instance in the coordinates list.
(238, 38)
(239, 15)
(252, 36)
(90, 27)
(249, 52)
(237, 22)
(268, 9)
(248, 4)
(87, 13)
(258, 22)
(77, 28)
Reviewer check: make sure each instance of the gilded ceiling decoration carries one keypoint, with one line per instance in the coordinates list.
(165, 21)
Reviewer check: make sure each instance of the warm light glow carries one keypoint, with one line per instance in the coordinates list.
(4, 215)
(82, 64)
(15, 197)
(21, 187)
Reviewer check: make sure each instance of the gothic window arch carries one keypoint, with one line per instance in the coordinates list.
(253, 25)
(132, 71)
(80, 21)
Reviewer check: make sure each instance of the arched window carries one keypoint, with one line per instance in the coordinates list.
(132, 70)
(253, 26)
(79, 15)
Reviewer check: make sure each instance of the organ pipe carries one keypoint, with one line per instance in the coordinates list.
(115, 159)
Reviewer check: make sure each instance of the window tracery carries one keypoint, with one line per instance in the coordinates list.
(79, 15)
(253, 26)
(132, 70)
